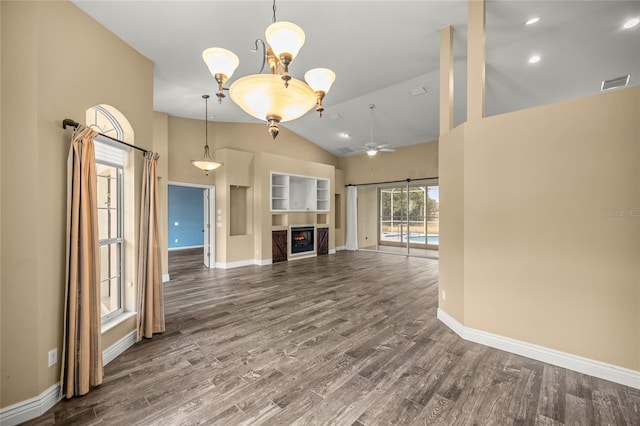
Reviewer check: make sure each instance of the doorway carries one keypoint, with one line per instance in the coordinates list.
(191, 210)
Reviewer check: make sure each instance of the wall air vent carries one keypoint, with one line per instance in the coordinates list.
(614, 83)
(345, 150)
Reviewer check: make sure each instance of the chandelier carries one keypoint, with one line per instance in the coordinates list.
(206, 163)
(277, 97)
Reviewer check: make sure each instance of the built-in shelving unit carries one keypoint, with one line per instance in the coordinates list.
(293, 193)
(322, 195)
(279, 192)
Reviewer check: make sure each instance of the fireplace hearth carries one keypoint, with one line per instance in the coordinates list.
(302, 239)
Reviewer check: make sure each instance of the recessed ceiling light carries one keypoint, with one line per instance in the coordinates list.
(534, 59)
(345, 135)
(532, 21)
(631, 23)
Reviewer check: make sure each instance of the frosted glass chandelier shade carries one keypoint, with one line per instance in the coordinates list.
(285, 37)
(220, 61)
(320, 79)
(264, 95)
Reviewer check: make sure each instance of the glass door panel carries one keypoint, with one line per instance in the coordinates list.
(393, 219)
(417, 220)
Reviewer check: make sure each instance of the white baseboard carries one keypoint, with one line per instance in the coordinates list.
(602, 370)
(184, 248)
(35, 407)
(265, 262)
(118, 347)
(165, 278)
(238, 264)
(30, 408)
(340, 248)
(332, 251)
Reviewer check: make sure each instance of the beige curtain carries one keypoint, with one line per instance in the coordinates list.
(82, 354)
(150, 292)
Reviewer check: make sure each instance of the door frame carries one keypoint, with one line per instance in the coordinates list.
(209, 251)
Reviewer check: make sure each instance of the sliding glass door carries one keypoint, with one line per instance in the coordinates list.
(406, 216)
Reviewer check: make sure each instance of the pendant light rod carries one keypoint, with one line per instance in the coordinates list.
(274, 12)
(206, 121)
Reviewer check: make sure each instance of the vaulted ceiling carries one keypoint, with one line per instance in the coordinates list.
(381, 52)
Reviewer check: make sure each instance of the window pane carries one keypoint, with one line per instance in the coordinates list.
(110, 296)
(103, 224)
(109, 261)
(113, 223)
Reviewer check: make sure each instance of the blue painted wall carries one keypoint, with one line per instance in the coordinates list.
(185, 208)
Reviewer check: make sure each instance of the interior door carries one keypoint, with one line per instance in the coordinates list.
(209, 200)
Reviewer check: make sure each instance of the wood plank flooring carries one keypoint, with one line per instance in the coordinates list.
(345, 339)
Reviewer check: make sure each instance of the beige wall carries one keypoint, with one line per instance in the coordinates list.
(411, 162)
(44, 82)
(367, 217)
(452, 213)
(248, 154)
(546, 259)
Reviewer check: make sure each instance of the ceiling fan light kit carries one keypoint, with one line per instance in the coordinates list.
(277, 97)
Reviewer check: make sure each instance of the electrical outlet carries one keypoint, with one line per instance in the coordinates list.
(52, 357)
(444, 295)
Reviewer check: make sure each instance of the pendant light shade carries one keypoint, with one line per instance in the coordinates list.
(220, 61)
(263, 95)
(206, 163)
(320, 79)
(285, 38)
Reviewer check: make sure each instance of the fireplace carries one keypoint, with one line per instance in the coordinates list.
(302, 239)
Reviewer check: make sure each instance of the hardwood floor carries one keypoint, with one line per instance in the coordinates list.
(345, 339)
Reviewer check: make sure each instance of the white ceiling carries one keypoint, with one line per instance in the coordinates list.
(380, 51)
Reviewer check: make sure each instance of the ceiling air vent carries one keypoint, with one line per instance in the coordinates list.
(614, 83)
(345, 150)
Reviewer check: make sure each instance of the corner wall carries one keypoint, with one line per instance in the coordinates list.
(550, 200)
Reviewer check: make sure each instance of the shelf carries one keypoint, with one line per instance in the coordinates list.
(299, 193)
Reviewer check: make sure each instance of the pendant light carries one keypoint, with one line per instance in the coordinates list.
(206, 163)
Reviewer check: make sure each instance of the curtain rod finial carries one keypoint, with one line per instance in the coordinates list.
(69, 122)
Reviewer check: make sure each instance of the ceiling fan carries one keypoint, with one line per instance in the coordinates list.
(372, 148)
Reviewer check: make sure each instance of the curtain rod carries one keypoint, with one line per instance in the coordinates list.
(390, 181)
(69, 122)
